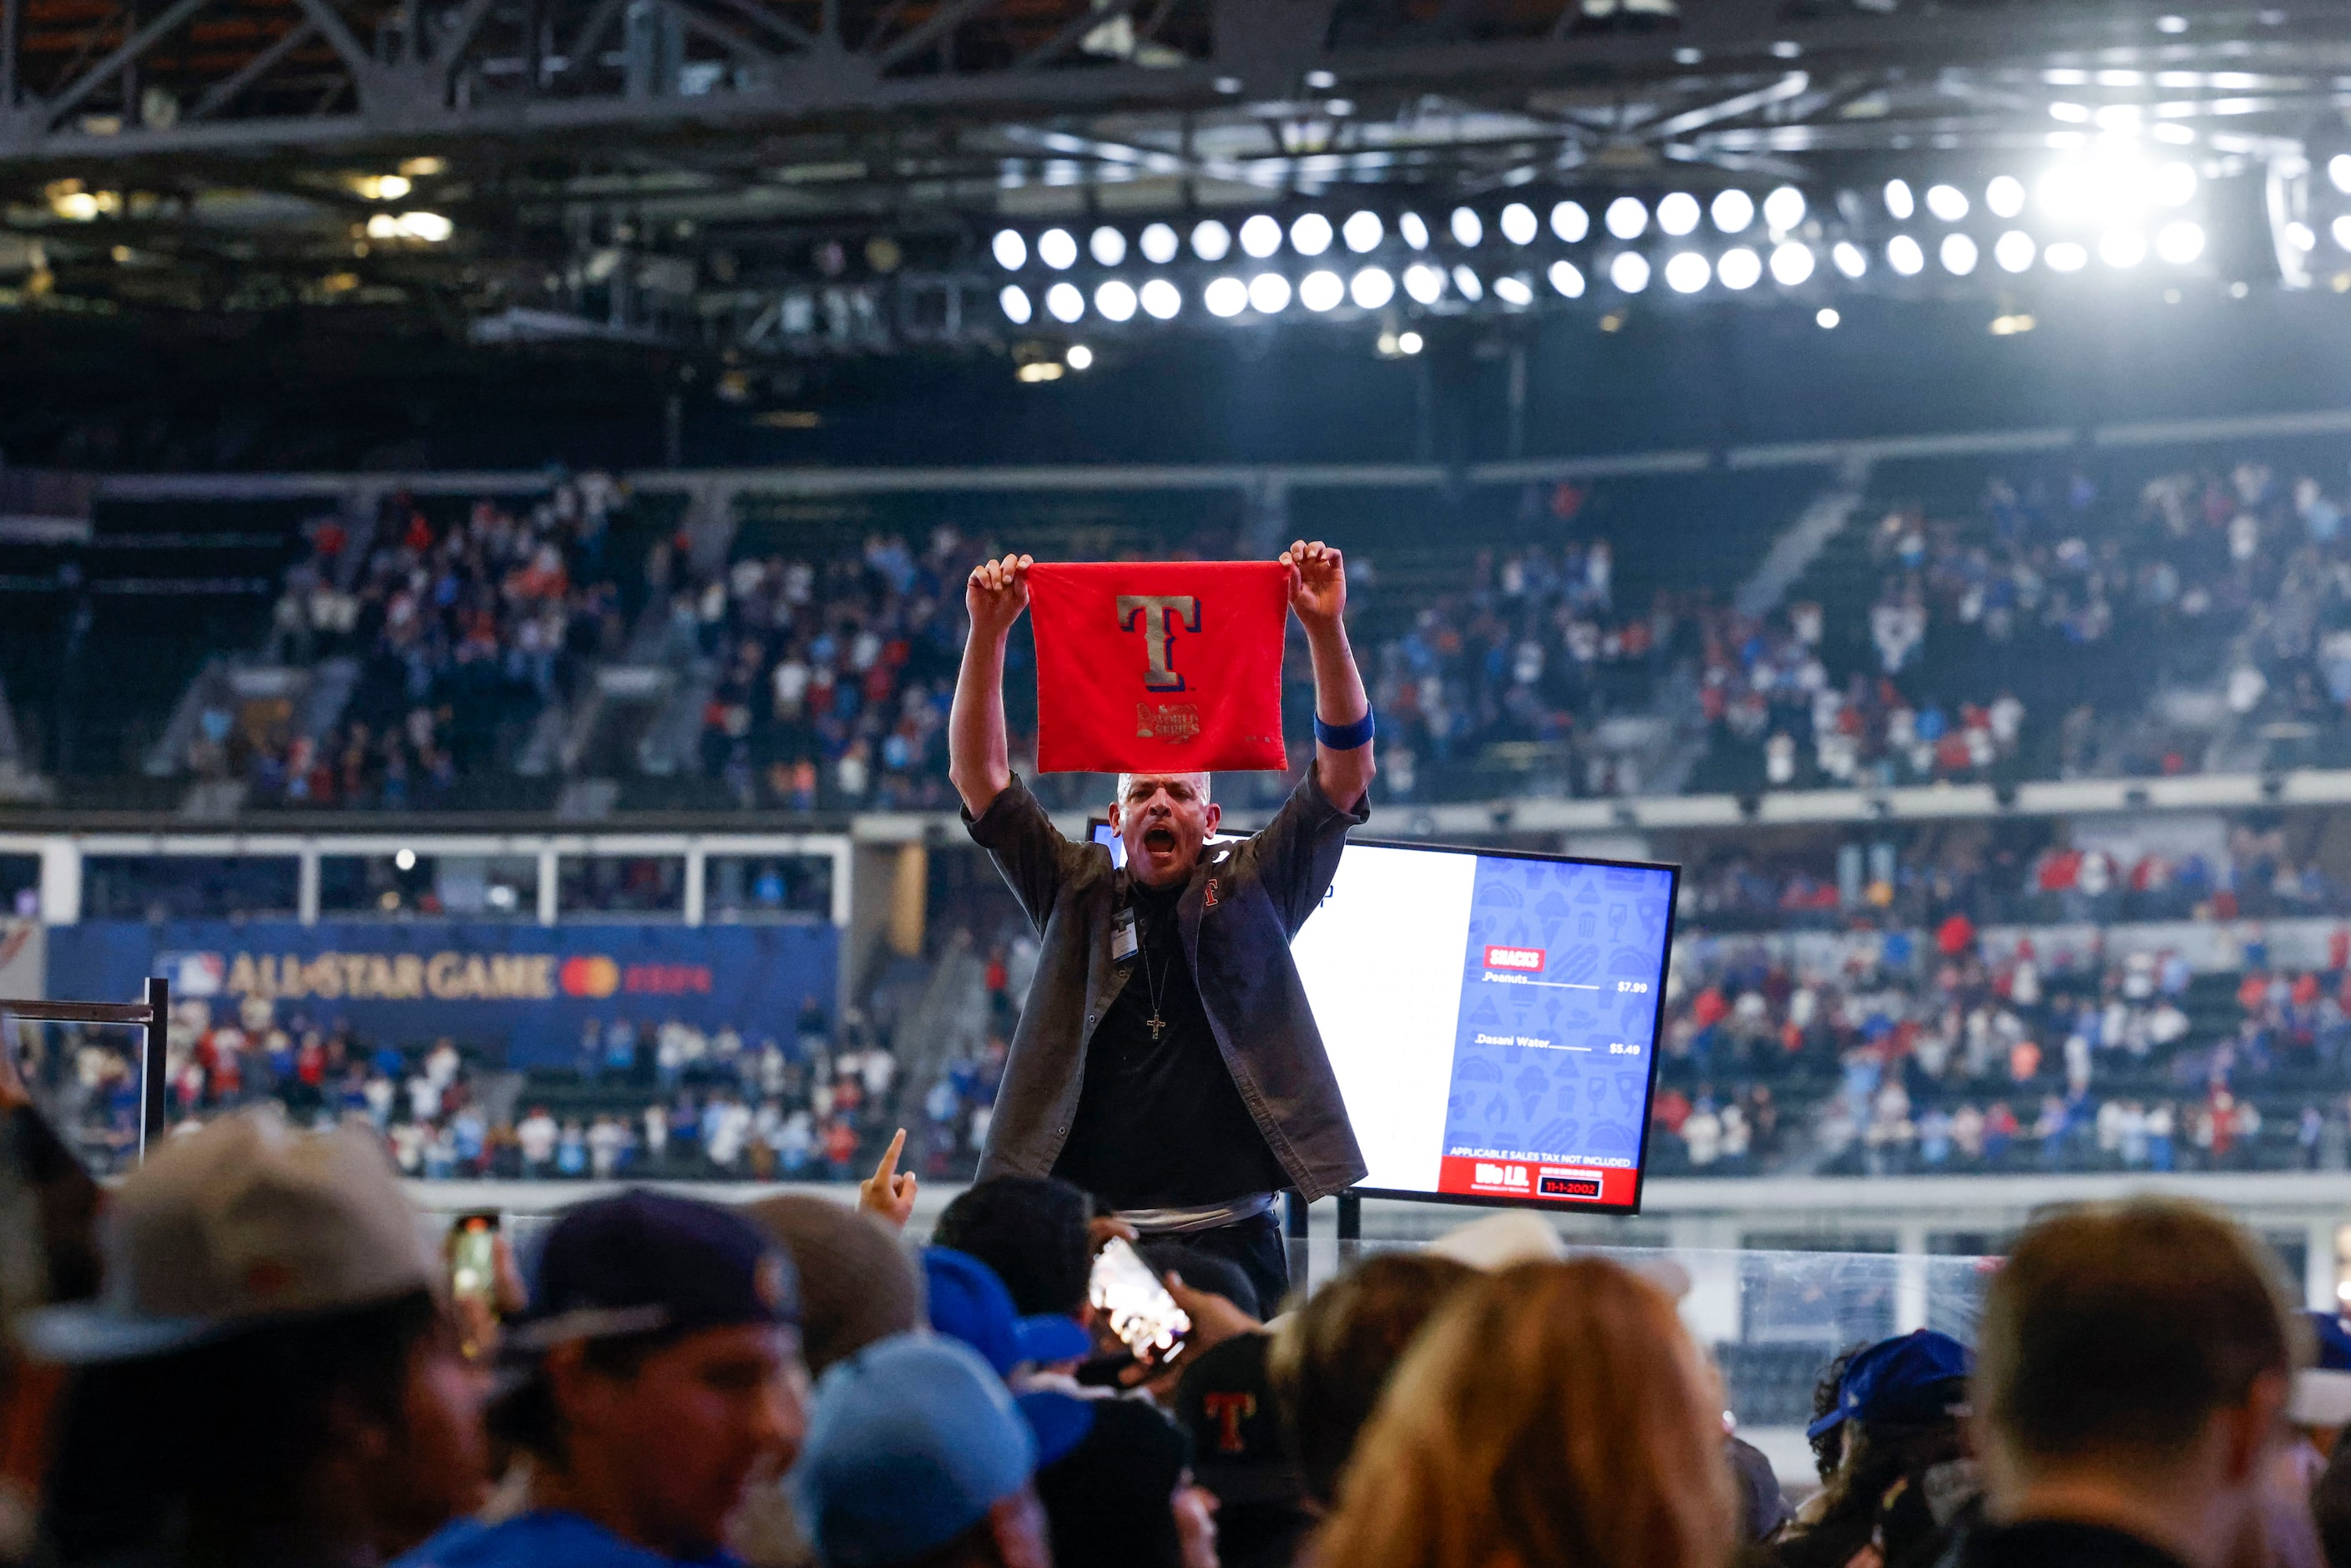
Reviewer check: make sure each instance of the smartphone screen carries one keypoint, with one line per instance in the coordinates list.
(473, 1257)
(1137, 1307)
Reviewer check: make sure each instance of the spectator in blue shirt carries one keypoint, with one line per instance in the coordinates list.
(657, 1376)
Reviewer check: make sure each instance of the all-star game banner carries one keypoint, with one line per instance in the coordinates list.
(525, 990)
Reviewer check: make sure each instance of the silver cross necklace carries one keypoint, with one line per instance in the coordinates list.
(1151, 981)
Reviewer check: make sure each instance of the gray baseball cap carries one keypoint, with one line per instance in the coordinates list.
(246, 1220)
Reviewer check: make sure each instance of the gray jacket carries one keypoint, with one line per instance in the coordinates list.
(1244, 903)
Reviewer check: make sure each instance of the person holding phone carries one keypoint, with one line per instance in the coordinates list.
(1167, 1061)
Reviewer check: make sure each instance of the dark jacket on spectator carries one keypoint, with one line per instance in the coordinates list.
(1245, 901)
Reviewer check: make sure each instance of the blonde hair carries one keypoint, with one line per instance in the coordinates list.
(1554, 1413)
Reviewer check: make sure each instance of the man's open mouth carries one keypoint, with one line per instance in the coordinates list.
(1159, 841)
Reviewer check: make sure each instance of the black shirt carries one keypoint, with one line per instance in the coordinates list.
(2056, 1543)
(1160, 1124)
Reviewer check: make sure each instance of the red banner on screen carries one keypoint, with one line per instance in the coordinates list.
(1538, 1181)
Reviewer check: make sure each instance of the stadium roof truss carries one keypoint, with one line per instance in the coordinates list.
(688, 161)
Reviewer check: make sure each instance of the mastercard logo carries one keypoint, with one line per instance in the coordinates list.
(592, 976)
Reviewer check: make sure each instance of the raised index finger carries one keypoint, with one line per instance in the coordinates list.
(890, 1157)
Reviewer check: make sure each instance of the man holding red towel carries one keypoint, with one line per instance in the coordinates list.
(1167, 1061)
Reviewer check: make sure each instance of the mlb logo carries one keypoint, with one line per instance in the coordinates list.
(1525, 961)
(193, 974)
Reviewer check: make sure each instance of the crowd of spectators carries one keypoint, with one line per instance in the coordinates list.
(1955, 1058)
(268, 1364)
(835, 674)
(464, 629)
(832, 672)
(2022, 635)
(2019, 873)
(2058, 601)
(647, 1098)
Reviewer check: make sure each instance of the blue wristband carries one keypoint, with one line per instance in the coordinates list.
(1345, 737)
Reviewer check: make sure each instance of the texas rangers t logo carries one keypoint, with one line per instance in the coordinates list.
(1159, 613)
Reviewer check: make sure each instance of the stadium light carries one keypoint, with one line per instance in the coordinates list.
(1948, 202)
(1903, 255)
(81, 206)
(1791, 263)
(1226, 297)
(1783, 209)
(2066, 256)
(1629, 271)
(2338, 171)
(1013, 302)
(1627, 218)
(1733, 210)
(1078, 358)
(1408, 343)
(1322, 290)
(2175, 183)
(1063, 303)
(1114, 300)
(1057, 249)
(1260, 236)
(2122, 248)
(1518, 224)
(2005, 195)
(2341, 229)
(1570, 221)
(1269, 294)
(1467, 227)
(1010, 250)
(2182, 242)
(1424, 283)
(1568, 278)
(2013, 250)
(1159, 245)
(1849, 257)
(2300, 236)
(1161, 300)
(1372, 288)
(1677, 212)
(1899, 205)
(1740, 268)
(1415, 232)
(1686, 272)
(1959, 255)
(1363, 231)
(2070, 113)
(1211, 241)
(1826, 317)
(1514, 290)
(1310, 234)
(1107, 246)
(1466, 284)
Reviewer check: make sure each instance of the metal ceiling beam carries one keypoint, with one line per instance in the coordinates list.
(413, 109)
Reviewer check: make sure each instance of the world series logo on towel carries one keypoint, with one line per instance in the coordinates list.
(1159, 666)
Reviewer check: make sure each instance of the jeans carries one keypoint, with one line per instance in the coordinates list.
(1257, 1247)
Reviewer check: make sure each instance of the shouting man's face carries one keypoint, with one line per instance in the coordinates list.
(1163, 819)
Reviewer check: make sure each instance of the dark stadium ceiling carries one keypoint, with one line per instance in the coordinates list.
(749, 178)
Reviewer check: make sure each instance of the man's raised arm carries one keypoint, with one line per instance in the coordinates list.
(979, 756)
(1317, 594)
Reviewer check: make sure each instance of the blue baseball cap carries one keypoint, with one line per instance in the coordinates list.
(1908, 1378)
(638, 1262)
(910, 1442)
(969, 1302)
(2322, 1392)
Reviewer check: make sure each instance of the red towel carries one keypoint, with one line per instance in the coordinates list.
(1159, 666)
